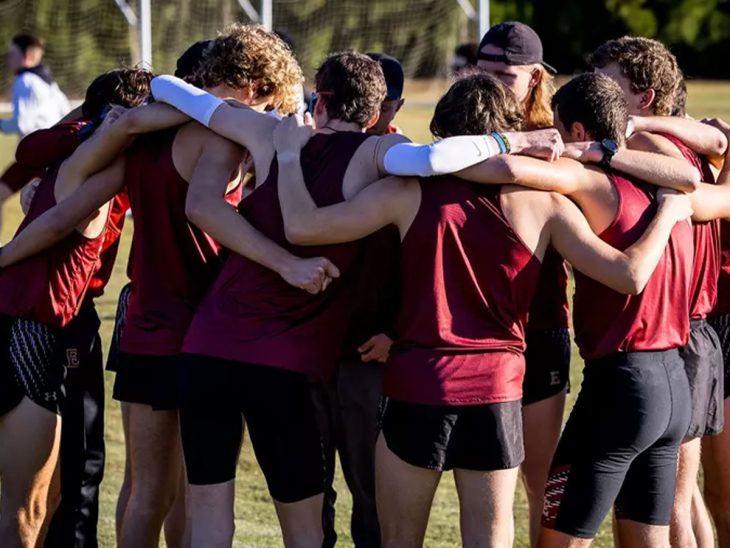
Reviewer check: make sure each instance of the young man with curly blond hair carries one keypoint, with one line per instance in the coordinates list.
(173, 261)
(652, 83)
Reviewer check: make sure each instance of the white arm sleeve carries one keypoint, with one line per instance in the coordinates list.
(439, 158)
(196, 103)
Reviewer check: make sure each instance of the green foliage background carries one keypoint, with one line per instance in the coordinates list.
(86, 37)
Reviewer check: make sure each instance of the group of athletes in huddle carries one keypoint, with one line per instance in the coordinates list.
(274, 262)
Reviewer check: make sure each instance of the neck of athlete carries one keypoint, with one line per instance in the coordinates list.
(340, 125)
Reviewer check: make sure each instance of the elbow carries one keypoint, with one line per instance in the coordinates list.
(691, 182)
(719, 146)
(195, 211)
(634, 283)
(298, 234)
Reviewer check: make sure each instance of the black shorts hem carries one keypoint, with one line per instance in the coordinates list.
(147, 380)
(703, 364)
(483, 438)
(547, 364)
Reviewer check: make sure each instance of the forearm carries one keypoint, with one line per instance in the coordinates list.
(702, 138)
(658, 169)
(48, 229)
(446, 156)
(194, 102)
(223, 223)
(298, 209)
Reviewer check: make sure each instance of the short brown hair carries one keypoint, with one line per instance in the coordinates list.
(597, 102)
(647, 63)
(26, 41)
(352, 87)
(244, 54)
(477, 103)
(127, 87)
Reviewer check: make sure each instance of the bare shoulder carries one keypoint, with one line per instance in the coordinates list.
(652, 142)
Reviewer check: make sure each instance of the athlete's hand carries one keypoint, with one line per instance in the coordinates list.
(719, 123)
(584, 151)
(676, 204)
(27, 194)
(542, 143)
(311, 275)
(112, 116)
(377, 348)
(291, 134)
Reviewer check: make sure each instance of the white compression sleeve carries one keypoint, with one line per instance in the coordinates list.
(196, 103)
(446, 156)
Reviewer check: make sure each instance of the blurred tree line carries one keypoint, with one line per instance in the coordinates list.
(86, 37)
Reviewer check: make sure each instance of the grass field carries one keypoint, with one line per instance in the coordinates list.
(256, 524)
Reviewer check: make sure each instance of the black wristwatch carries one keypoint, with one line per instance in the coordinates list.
(609, 148)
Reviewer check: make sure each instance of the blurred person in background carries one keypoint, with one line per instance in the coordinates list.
(465, 58)
(37, 101)
(393, 102)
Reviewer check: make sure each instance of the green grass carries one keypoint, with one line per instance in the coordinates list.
(256, 524)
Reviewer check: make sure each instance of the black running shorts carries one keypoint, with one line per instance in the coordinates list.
(112, 362)
(547, 364)
(620, 444)
(147, 380)
(441, 437)
(32, 365)
(705, 372)
(721, 325)
(215, 396)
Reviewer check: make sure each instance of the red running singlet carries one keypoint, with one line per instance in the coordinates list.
(49, 287)
(251, 315)
(467, 282)
(173, 262)
(606, 321)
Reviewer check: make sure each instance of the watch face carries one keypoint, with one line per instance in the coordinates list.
(609, 145)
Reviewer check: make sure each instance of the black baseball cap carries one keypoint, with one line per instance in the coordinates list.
(393, 72)
(189, 61)
(521, 45)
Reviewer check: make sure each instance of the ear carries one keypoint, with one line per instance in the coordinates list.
(319, 108)
(373, 120)
(578, 132)
(535, 78)
(647, 99)
(400, 104)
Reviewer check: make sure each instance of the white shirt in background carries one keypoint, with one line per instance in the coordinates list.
(36, 105)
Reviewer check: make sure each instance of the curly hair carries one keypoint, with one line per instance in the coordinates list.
(647, 63)
(246, 54)
(127, 87)
(597, 102)
(354, 85)
(477, 103)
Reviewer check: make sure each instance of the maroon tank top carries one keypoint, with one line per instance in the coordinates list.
(549, 309)
(173, 262)
(110, 247)
(251, 314)
(723, 283)
(50, 286)
(706, 265)
(606, 321)
(467, 281)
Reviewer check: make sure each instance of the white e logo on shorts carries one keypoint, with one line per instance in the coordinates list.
(554, 378)
(72, 357)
